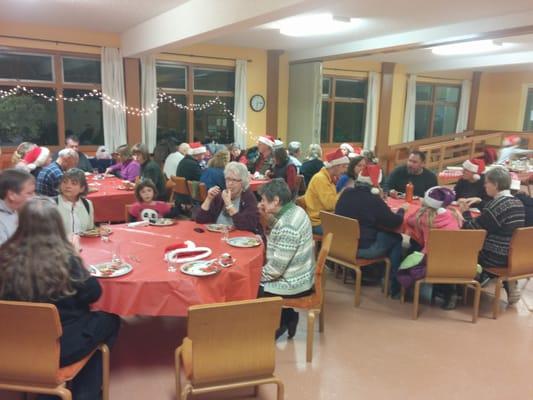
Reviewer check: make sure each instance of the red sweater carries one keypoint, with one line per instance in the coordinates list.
(160, 207)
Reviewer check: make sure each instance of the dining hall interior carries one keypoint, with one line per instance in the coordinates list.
(446, 83)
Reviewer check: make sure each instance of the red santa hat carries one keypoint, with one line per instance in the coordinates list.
(267, 139)
(476, 166)
(36, 157)
(515, 182)
(512, 140)
(371, 174)
(197, 148)
(336, 157)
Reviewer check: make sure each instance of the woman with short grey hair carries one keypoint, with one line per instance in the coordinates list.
(500, 217)
(313, 164)
(236, 205)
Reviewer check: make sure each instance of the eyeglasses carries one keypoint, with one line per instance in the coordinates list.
(232, 180)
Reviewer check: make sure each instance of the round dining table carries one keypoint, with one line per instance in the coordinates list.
(150, 289)
(109, 197)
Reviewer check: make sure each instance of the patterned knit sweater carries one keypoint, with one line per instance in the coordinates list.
(290, 262)
(499, 218)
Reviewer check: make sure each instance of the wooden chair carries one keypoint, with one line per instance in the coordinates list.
(179, 186)
(200, 194)
(29, 348)
(520, 264)
(314, 303)
(452, 259)
(344, 249)
(229, 346)
(300, 186)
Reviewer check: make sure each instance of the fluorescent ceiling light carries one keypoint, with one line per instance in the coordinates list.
(465, 48)
(314, 25)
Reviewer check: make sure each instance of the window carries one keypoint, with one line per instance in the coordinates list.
(436, 109)
(26, 117)
(343, 110)
(188, 84)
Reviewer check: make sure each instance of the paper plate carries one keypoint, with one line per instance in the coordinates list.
(200, 268)
(109, 270)
(244, 241)
(163, 222)
(218, 227)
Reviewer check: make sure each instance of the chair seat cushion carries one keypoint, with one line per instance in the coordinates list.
(307, 302)
(70, 371)
(498, 271)
(368, 261)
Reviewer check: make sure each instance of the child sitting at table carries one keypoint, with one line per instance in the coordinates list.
(146, 207)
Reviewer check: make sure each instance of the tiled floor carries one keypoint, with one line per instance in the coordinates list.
(374, 352)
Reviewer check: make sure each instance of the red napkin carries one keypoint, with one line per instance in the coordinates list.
(175, 247)
(191, 253)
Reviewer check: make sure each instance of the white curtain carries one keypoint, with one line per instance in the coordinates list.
(149, 101)
(464, 105)
(241, 103)
(114, 117)
(410, 107)
(371, 118)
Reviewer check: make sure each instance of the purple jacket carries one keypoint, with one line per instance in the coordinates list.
(129, 170)
(247, 219)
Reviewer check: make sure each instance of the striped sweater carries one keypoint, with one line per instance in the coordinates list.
(290, 262)
(500, 217)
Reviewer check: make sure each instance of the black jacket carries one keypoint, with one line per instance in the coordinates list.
(189, 168)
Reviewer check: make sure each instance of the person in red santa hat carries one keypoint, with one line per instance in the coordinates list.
(36, 159)
(263, 161)
(321, 194)
(471, 187)
(364, 203)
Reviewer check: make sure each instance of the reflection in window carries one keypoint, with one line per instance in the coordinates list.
(84, 118)
(436, 109)
(214, 80)
(29, 67)
(348, 122)
(81, 70)
(172, 121)
(25, 118)
(171, 76)
(213, 124)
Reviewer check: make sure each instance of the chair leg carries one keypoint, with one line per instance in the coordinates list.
(280, 391)
(416, 298)
(386, 278)
(321, 319)
(496, 301)
(177, 365)
(185, 392)
(477, 296)
(402, 295)
(64, 393)
(465, 294)
(358, 274)
(310, 335)
(256, 390)
(105, 371)
(344, 269)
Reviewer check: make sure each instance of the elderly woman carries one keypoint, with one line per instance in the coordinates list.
(500, 217)
(213, 175)
(39, 264)
(127, 168)
(149, 169)
(236, 205)
(313, 164)
(76, 211)
(290, 263)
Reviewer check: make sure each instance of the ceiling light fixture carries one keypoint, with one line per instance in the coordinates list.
(314, 25)
(465, 48)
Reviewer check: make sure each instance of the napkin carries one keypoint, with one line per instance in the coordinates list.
(139, 223)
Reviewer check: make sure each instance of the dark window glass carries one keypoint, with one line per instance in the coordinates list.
(25, 118)
(213, 124)
(214, 80)
(171, 76)
(84, 118)
(445, 120)
(424, 92)
(324, 123)
(326, 86)
(350, 89)
(172, 121)
(422, 121)
(26, 67)
(348, 124)
(447, 94)
(81, 70)
(528, 115)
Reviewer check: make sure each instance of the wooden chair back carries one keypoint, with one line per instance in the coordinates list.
(180, 185)
(29, 342)
(520, 260)
(346, 233)
(234, 340)
(198, 194)
(453, 254)
(300, 201)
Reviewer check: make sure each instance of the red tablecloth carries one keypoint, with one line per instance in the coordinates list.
(109, 202)
(449, 176)
(255, 184)
(151, 290)
(395, 204)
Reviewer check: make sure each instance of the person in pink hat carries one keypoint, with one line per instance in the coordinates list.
(471, 187)
(263, 161)
(321, 194)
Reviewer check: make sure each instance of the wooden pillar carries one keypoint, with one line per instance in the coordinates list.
(272, 92)
(132, 78)
(474, 95)
(385, 107)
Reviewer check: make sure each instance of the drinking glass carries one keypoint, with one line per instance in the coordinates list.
(172, 264)
(116, 259)
(105, 231)
(225, 233)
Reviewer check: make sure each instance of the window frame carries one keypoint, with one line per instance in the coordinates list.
(331, 99)
(434, 103)
(31, 82)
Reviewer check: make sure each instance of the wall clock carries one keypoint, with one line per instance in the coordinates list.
(257, 102)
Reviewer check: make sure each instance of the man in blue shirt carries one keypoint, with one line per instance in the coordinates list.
(49, 178)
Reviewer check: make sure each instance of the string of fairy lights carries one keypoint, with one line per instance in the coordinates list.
(162, 97)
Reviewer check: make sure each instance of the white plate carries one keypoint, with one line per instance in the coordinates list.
(244, 241)
(163, 222)
(101, 270)
(200, 268)
(218, 227)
